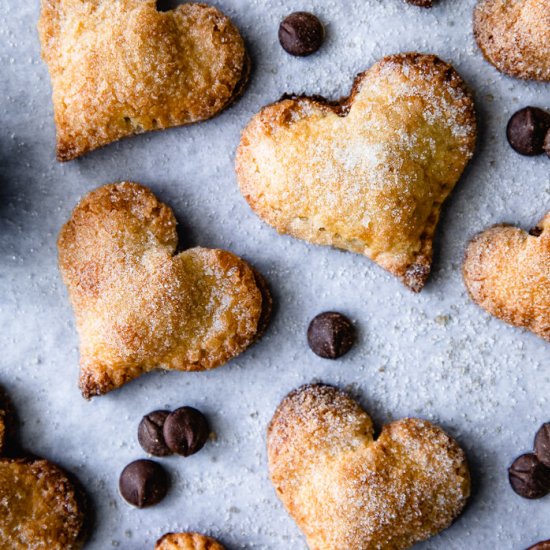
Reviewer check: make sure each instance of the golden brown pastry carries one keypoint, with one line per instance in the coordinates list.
(40, 507)
(346, 490)
(122, 68)
(514, 36)
(369, 173)
(138, 306)
(187, 541)
(507, 273)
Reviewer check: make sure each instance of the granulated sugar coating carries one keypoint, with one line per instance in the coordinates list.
(435, 355)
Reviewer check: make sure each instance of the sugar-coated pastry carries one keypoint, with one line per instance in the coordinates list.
(187, 541)
(507, 273)
(41, 508)
(122, 68)
(369, 173)
(347, 490)
(514, 36)
(138, 305)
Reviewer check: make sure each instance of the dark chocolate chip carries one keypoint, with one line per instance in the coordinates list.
(143, 483)
(527, 129)
(421, 3)
(542, 444)
(529, 477)
(150, 433)
(186, 431)
(544, 545)
(330, 335)
(301, 34)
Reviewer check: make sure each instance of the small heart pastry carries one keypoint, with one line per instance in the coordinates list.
(507, 273)
(514, 36)
(347, 490)
(123, 68)
(369, 173)
(138, 306)
(187, 541)
(40, 507)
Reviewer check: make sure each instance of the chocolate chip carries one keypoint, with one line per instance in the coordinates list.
(544, 545)
(527, 129)
(143, 483)
(421, 3)
(186, 431)
(301, 34)
(529, 477)
(542, 444)
(330, 335)
(150, 433)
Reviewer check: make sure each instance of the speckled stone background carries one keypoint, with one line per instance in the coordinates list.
(435, 355)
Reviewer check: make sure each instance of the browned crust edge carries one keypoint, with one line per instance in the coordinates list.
(65, 154)
(500, 65)
(418, 272)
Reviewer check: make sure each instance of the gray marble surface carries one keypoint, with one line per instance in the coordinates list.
(435, 355)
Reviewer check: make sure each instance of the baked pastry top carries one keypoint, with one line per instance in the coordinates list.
(138, 306)
(40, 507)
(187, 541)
(369, 173)
(122, 68)
(507, 273)
(347, 490)
(514, 36)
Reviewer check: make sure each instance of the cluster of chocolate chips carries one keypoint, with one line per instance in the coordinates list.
(530, 473)
(528, 132)
(161, 433)
(330, 335)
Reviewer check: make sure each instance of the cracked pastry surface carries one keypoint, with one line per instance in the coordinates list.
(187, 541)
(346, 490)
(367, 174)
(507, 273)
(514, 36)
(122, 68)
(138, 305)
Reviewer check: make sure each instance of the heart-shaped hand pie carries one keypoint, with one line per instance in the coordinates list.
(187, 541)
(368, 174)
(346, 490)
(40, 507)
(514, 36)
(138, 306)
(122, 68)
(507, 273)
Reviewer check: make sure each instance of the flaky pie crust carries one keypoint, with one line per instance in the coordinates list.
(123, 68)
(507, 273)
(368, 173)
(187, 541)
(514, 36)
(41, 508)
(138, 305)
(346, 490)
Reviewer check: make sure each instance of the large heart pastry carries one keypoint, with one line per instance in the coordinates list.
(347, 490)
(507, 273)
(138, 306)
(122, 67)
(514, 36)
(40, 506)
(367, 174)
